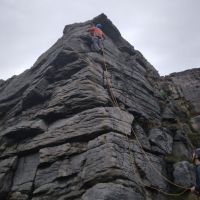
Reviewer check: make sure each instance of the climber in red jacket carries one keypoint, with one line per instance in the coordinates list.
(97, 37)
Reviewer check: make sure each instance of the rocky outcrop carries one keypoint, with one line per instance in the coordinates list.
(73, 125)
(189, 82)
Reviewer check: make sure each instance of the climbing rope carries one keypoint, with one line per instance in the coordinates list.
(115, 103)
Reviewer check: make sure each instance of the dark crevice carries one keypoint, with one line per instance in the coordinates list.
(30, 196)
(14, 169)
(81, 138)
(15, 95)
(67, 113)
(19, 135)
(66, 178)
(64, 58)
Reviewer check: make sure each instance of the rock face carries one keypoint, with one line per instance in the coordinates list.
(189, 82)
(81, 125)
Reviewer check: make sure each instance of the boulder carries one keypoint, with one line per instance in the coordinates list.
(184, 173)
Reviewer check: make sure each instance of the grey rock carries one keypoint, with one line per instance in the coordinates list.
(51, 154)
(25, 129)
(151, 169)
(161, 141)
(184, 174)
(7, 168)
(18, 196)
(110, 191)
(168, 114)
(91, 122)
(188, 81)
(107, 158)
(180, 137)
(181, 150)
(25, 174)
(142, 136)
(1, 82)
(35, 94)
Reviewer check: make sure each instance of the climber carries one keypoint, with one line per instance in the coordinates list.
(97, 37)
(196, 160)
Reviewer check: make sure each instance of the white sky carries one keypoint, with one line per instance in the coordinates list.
(166, 32)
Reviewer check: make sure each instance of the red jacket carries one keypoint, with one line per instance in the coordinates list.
(96, 32)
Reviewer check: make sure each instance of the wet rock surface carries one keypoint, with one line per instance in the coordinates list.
(72, 126)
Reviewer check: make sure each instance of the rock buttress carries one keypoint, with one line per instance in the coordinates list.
(62, 137)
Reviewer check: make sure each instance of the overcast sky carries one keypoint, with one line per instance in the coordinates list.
(166, 32)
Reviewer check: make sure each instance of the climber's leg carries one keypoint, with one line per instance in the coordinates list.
(100, 41)
(96, 43)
